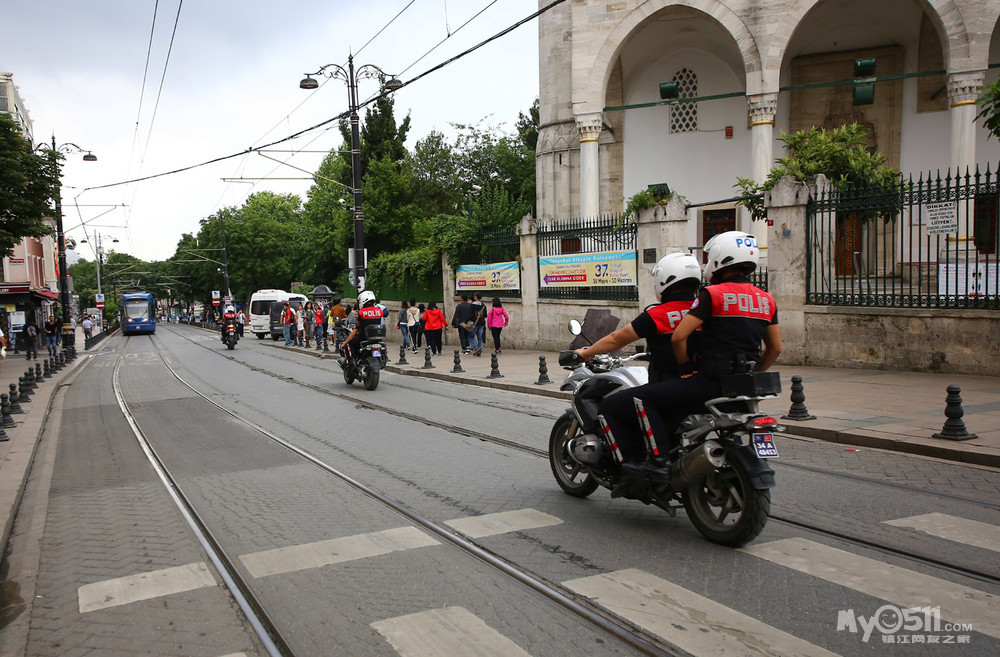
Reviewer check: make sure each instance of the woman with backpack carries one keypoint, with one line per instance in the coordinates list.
(496, 320)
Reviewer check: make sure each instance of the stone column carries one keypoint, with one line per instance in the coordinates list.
(963, 89)
(786, 266)
(761, 109)
(527, 335)
(589, 127)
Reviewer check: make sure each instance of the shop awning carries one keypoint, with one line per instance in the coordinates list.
(46, 294)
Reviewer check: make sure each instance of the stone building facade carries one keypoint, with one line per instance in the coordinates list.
(762, 67)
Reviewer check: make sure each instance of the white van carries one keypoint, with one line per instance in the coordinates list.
(260, 309)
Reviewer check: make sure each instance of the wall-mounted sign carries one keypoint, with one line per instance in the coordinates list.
(941, 218)
(16, 261)
(494, 276)
(588, 269)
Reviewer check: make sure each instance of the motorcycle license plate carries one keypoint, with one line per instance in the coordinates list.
(377, 353)
(763, 444)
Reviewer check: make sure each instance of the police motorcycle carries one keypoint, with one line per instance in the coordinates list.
(718, 472)
(229, 334)
(369, 361)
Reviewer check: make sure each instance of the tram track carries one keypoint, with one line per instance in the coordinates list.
(787, 520)
(268, 629)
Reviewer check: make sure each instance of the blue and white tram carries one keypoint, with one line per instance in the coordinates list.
(138, 313)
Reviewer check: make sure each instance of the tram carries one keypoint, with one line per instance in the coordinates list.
(138, 313)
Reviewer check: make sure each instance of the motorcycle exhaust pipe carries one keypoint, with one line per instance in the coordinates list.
(697, 464)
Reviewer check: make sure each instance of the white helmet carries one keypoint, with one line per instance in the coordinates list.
(366, 297)
(730, 248)
(674, 268)
(230, 309)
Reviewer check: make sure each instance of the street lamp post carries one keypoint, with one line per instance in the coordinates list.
(225, 257)
(351, 76)
(67, 327)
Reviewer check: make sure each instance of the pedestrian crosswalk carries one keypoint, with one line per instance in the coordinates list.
(679, 617)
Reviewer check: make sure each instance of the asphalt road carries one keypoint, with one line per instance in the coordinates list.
(342, 573)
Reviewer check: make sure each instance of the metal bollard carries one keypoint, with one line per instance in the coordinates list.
(24, 390)
(402, 356)
(5, 419)
(47, 369)
(494, 367)
(954, 426)
(458, 363)
(15, 407)
(427, 360)
(543, 372)
(32, 379)
(798, 410)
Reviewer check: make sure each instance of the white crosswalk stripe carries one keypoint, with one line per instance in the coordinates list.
(502, 523)
(143, 586)
(961, 530)
(452, 631)
(901, 586)
(687, 620)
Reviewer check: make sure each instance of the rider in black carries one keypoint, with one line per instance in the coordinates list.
(228, 317)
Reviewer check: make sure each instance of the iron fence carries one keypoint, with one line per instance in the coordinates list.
(612, 232)
(929, 243)
(499, 245)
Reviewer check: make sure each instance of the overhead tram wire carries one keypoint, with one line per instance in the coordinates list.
(142, 92)
(449, 33)
(391, 21)
(338, 117)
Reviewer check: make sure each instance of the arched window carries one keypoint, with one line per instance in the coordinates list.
(684, 116)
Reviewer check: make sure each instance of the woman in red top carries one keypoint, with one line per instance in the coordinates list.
(434, 322)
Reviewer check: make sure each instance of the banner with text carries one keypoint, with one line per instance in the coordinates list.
(588, 269)
(494, 276)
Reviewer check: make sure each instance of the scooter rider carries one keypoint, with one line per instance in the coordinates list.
(676, 279)
(369, 314)
(228, 317)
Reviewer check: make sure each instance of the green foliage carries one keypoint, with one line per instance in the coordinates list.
(989, 103)
(29, 184)
(527, 126)
(841, 154)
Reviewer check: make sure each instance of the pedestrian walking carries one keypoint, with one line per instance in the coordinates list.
(308, 318)
(241, 319)
(434, 323)
(497, 319)
(413, 324)
(299, 325)
(51, 335)
(88, 327)
(478, 338)
(464, 319)
(319, 323)
(287, 323)
(402, 324)
(30, 340)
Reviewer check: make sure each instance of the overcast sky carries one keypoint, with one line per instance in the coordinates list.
(231, 83)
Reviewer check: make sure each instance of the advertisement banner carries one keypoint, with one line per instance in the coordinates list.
(588, 269)
(494, 276)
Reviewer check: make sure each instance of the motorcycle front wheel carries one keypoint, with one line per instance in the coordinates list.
(726, 508)
(231, 344)
(572, 477)
(348, 376)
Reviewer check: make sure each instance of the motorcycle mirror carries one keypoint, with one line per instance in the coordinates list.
(575, 327)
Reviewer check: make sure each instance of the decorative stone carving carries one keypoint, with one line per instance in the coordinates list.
(963, 88)
(761, 109)
(589, 126)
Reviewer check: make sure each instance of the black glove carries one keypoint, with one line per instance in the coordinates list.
(686, 369)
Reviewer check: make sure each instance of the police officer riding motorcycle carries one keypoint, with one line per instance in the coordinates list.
(230, 334)
(363, 353)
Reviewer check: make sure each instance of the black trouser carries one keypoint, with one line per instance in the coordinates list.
(30, 347)
(416, 335)
(666, 403)
(434, 340)
(495, 330)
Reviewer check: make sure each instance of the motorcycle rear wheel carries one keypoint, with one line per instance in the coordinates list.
(572, 477)
(348, 376)
(231, 344)
(371, 378)
(726, 508)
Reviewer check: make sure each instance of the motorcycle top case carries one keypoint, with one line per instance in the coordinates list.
(753, 384)
(373, 331)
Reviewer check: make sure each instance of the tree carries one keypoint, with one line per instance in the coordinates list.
(841, 154)
(29, 184)
(989, 103)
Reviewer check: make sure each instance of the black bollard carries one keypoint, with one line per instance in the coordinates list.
(47, 369)
(5, 419)
(427, 360)
(458, 363)
(3, 436)
(24, 390)
(326, 339)
(38, 375)
(954, 426)
(798, 410)
(494, 367)
(402, 356)
(15, 407)
(543, 372)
